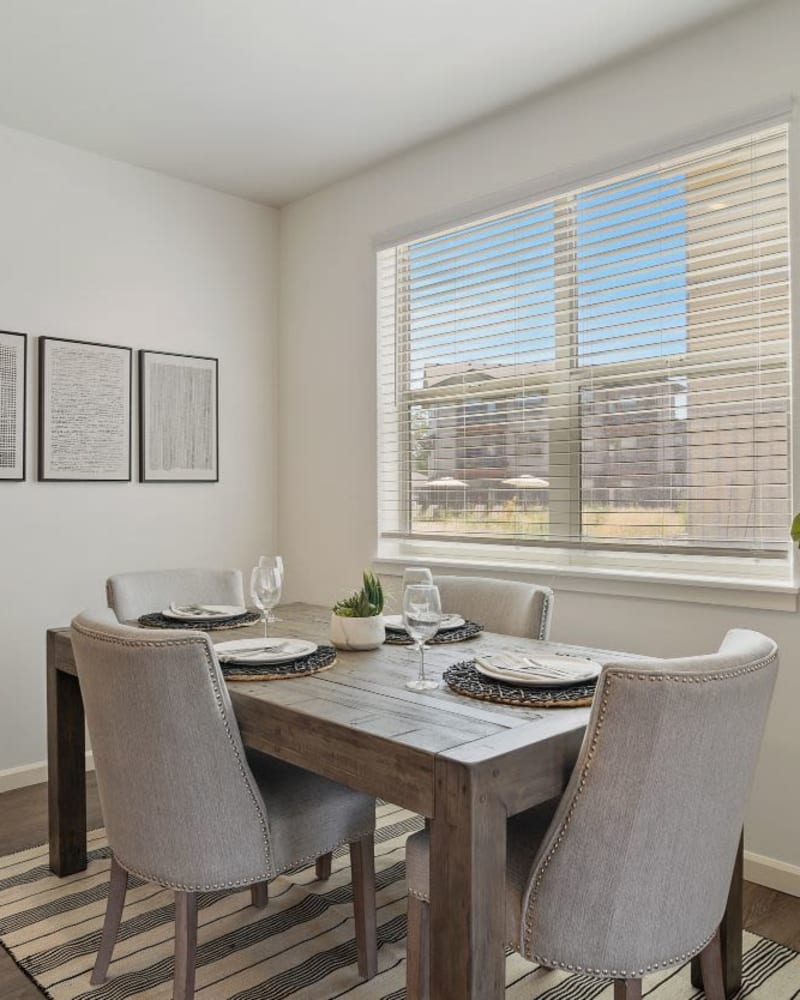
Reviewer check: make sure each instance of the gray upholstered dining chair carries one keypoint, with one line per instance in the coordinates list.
(505, 606)
(629, 871)
(133, 594)
(185, 806)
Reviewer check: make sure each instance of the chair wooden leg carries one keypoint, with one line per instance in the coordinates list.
(323, 866)
(627, 989)
(259, 895)
(185, 944)
(418, 945)
(711, 969)
(362, 863)
(116, 901)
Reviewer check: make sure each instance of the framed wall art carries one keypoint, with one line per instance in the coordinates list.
(13, 380)
(85, 392)
(178, 418)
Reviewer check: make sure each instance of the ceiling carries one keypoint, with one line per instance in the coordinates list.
(272, 99)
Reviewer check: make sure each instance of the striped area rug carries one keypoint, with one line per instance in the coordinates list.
(301, 947)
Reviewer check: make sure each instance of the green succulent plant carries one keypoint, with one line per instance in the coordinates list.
(364, 603)
(794, 531)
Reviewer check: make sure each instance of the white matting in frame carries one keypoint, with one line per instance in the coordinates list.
(85, 392)
(179, 418)
(13, 380)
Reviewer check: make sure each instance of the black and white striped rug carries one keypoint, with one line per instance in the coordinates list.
(300, 947)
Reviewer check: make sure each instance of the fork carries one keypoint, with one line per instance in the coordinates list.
(258, 651)
(530, 666)
(192, 609)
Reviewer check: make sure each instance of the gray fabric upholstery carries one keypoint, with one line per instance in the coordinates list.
(524, 831)
(180, 802)
(307, 814)
(633, 873)
(130, 595)
(505, 606)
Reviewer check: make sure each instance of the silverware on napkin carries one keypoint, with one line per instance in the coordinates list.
(192, 609)
(527, 666)
(248, 654)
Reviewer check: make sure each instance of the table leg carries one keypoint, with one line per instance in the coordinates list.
(467, 864)
(66, 769)
(730, 932)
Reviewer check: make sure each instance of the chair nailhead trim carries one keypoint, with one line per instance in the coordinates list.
(547, 604)
(244, 882)
(616, 673)
(555, 963)
(241, 883)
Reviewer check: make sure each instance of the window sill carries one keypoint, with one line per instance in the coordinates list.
(730, 591)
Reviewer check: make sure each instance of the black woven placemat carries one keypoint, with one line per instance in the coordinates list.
(397, 637)
(322, 658)
(156, 620)
(464, 678)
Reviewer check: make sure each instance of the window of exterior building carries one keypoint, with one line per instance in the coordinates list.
(609, 368)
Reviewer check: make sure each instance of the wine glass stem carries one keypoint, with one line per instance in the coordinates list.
(266, 620)
(422, 661)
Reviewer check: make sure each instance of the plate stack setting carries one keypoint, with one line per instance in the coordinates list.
(207, 617)
(272, 659)
(453, 628)
(544, 681)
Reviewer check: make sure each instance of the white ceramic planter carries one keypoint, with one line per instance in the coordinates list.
(357, 633)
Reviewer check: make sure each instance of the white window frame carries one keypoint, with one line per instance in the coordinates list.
(770, 583)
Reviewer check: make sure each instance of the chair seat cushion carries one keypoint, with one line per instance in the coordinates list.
(525, 832)
(308, 815)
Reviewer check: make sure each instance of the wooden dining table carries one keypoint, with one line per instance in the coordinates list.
(464, 764)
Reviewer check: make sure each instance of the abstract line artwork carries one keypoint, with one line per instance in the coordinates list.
(178, 411)
(84, 411)
(13, 363)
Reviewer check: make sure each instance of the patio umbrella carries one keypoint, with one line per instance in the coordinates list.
(527, 482)
(443, 492)
(446, 482)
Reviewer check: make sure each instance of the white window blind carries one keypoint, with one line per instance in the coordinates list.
(608, 368)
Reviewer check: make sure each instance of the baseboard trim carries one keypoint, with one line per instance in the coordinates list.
(31, 774)
(771, 873)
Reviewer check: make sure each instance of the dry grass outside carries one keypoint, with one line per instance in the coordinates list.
(599, 521)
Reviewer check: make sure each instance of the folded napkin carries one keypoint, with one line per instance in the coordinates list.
(204, 610)
(547, 667)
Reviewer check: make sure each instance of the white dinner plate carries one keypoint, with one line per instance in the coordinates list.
(261, 651)
(395, 623)
(209, 612)
(538, 671)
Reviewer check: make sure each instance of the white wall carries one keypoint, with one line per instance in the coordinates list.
(92, 249)
(327, 440)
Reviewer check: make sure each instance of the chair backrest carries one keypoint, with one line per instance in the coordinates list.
(505, 606)
(133, 594)
(180, 803)
(634, 871)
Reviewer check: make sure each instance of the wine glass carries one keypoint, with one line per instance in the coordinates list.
(416, 574)
(265, 589)
(422, 613)
(272, 562)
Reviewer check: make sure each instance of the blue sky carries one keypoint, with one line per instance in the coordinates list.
(497, 281)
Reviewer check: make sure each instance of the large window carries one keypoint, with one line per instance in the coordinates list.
(605, 369)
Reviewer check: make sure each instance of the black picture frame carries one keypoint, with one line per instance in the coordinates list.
(178, 418)
(13, 377)
(62, 363)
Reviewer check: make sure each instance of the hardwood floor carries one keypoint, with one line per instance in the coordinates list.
(23, 823)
